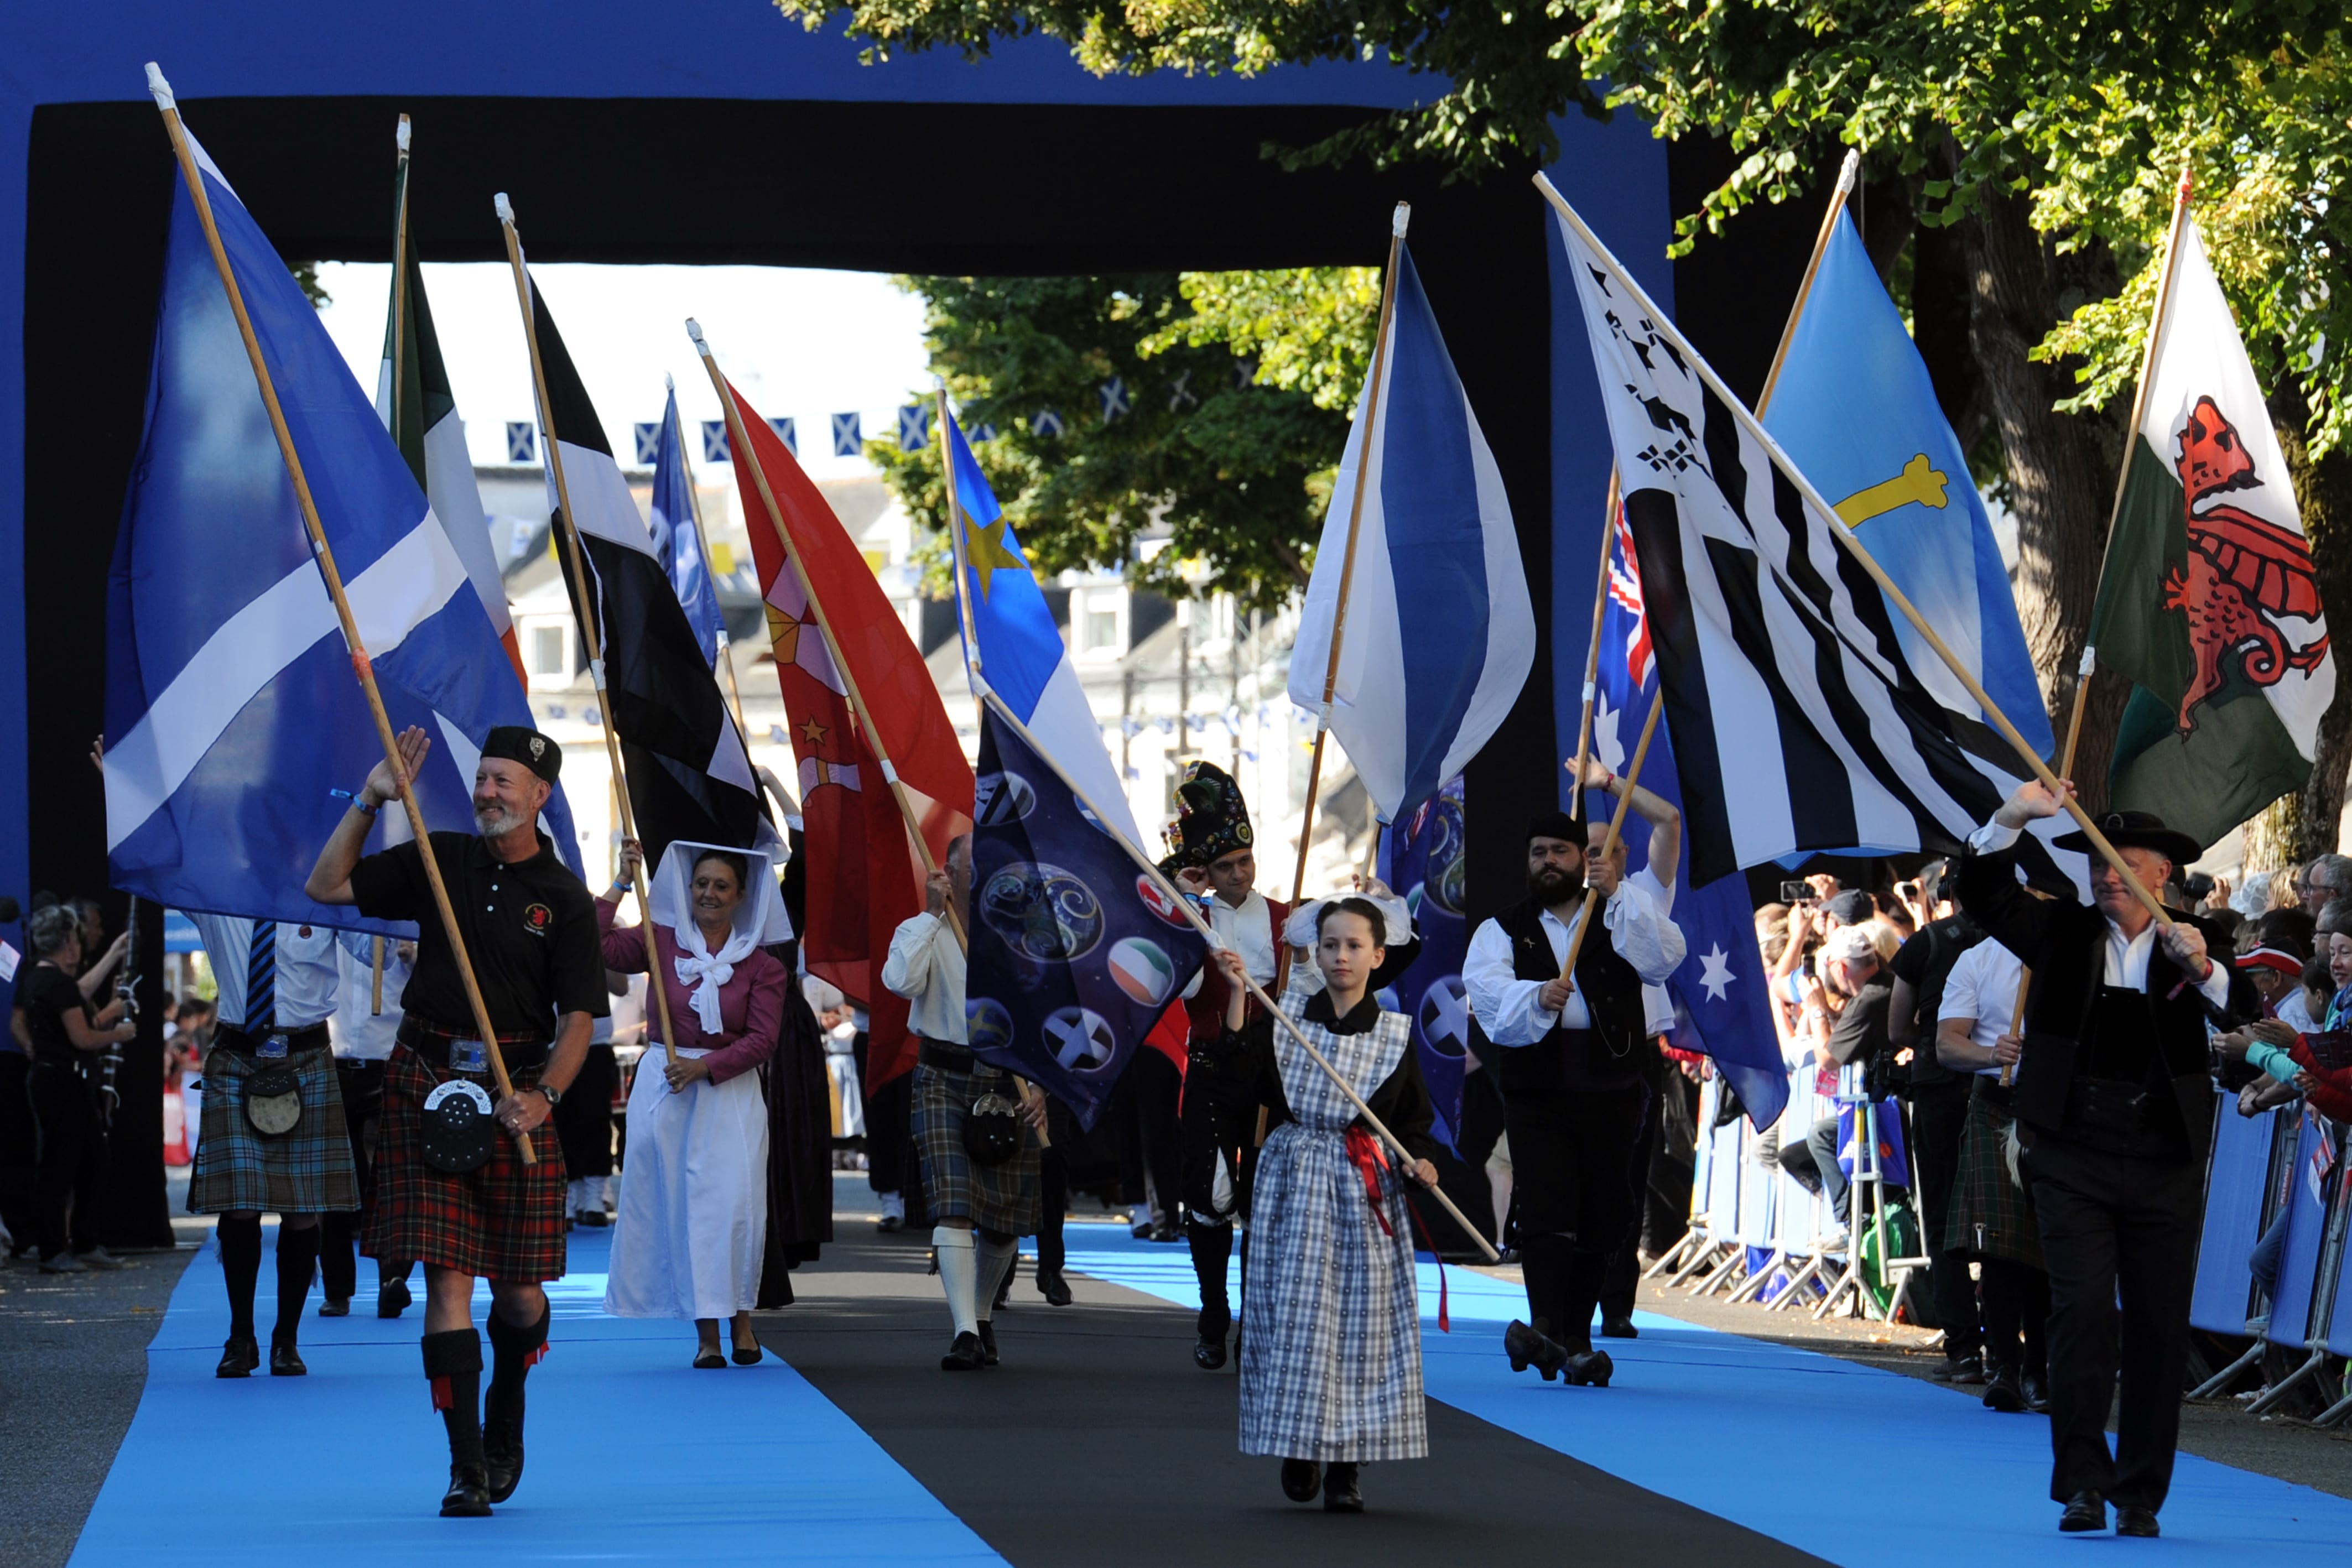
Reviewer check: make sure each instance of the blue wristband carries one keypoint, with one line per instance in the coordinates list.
(362, 807)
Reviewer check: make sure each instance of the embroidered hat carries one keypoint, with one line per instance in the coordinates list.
(1212, 817)
(535, 751)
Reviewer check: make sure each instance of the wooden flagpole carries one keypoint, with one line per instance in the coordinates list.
(954, 504)
(1848, 172)
(400, 282)
(325, 555)
(1364, 458)
(1863, 558)
(1616, 831)
(1592, 653)
(1181, 899)
(702, 543)
(376, 977)
(740, 442)
(587, 610)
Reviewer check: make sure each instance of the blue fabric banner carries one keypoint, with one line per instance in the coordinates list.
(1422, 858)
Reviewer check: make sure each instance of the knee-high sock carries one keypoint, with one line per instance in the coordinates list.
(959, 1271)
(297, 1260)
(515, 1351)
(1544, 1260)
(996, 1257)
(453, 1361)
(1587, 1271)
(1213, 1248)
(240, 1256)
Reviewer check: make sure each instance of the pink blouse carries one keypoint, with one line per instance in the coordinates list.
(750, 1004)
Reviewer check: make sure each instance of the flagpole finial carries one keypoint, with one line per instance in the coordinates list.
(1850, 172)
(1402, 217)
(939, 382)
(694, 330)
(504, 208)
(669, 383)
(160, 89)
(399, 137)
(2188, 172)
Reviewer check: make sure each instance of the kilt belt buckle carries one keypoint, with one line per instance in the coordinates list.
(272, 1047)
(469, 1056)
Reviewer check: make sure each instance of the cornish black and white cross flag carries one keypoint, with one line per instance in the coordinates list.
(1799, 722)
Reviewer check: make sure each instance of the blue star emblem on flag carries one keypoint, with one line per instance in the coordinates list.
(1045, 422)
(648, 432)
(788, 433)
(847, 440)
(1115, 402)
(914, 427)
(523, 442)
(714, 441)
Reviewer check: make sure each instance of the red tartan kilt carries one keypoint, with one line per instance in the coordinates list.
(504, 1221)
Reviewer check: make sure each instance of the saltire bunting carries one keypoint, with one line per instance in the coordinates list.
(648, 434)
(846, 441)
(1440, 630)
(914, 427)
(714, 441)
(1422, 858)
(678, 541)
(1113, 396)
(232, 713)
(787, 431)
(1181, 395)
(521, 442)
(1045, 423)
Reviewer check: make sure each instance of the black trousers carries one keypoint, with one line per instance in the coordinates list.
(1572, 1164)
(888, 1113)
(20, 1153)
(71, 1174)
(340, 1231)
(2114, 1226)
(583, 1122)
(1053, 1192)
(1938, 1111)
(1149, 1138)
(1621, 1283)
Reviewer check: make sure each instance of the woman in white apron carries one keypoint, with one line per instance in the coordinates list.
(694, 1194)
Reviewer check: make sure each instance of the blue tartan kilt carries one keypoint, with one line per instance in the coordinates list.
(306, 1170)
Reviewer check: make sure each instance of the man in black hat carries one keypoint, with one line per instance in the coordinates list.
(1571, 1078)
(2115, 1107)
(529, 932)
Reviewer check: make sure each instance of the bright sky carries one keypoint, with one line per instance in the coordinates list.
(798, 343)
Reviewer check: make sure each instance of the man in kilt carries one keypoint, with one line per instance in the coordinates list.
(273, 1136)
(530, 931)
(1001, 1201)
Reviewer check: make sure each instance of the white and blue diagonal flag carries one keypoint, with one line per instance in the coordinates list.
(787, 431)
(714, 439)
(1441, 633)
(649, 434)
(1114, 398)
(677, 542)
(232, 716)
(846, 441)
(914, 427)
(521, 442)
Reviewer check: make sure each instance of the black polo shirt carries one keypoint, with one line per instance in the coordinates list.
(530, 928)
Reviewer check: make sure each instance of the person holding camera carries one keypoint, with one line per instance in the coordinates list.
(1860, 988)
(68, 1033)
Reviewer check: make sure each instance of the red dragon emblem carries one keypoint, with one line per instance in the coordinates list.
(2243, 576)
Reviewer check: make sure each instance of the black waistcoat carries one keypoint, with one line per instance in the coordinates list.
(1607, 1056)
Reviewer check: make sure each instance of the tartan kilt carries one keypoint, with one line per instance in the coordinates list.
(1006, 1197)
(304, 1170)
(1983, 1193)
(504, 1221)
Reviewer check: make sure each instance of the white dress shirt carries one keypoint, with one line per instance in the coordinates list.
(307, 979)
(1508, 1008)
(1982, 986)
(926, 967)
(1657, 1002)
(359, 1033)
(1246, 928)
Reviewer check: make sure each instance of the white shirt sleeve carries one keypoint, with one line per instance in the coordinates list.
(1506, 1007)
(1961, 989)
(1643, 937)
(908, 971)
(1992, 838)
(1661, 894)
(2215, 984)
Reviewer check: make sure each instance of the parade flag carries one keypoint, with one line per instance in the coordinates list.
(863, 878)
(232, 717)
(1799, 723)
(1075, 952)
(689, 774)
(1855, 410)
(413, 400)
(1422, 858)
(2208, 604)
(1722, 1006)
(678, 541)
(1440, 631)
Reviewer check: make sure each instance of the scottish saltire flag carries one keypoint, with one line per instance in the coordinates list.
(678, 541)
(1076, 953)
(1721, 1004)
(232, 716)
(1855, 410)
(1441, 634)
(1422, 858)
(1012, 648)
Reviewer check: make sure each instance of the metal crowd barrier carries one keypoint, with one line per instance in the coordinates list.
(2245, 1183)
(2304, 1306)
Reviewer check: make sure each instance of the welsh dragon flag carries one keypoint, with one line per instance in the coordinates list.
(2209, 603)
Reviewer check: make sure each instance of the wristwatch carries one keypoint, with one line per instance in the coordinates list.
(554, 1095)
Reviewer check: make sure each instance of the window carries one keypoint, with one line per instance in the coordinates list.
(1102, 629)
(551, 655)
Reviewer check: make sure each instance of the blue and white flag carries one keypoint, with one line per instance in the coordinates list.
(1856, 410)
(1011, 646)
(714, 438)
(787, 431)
(649, 435)
(914, 427)
(678, 541)
(521, 442)
(846, 441)
(1721, 1003)
(1075, 952)
(1440, 634)
(1422, 858)
(232, 717)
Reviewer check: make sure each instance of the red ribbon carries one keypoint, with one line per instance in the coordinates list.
(1364, 1152)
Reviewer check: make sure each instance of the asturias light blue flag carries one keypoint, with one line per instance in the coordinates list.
(232, 716)
(677, 543)
(1011, 647)
(1854, 407)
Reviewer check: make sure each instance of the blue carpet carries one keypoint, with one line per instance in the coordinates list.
(1853, 1464)
(633, 1456)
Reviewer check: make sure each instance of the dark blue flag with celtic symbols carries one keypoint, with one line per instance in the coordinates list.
(1075, 951)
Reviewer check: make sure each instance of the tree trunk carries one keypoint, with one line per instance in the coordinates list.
(2061, 469)
(2300, 825)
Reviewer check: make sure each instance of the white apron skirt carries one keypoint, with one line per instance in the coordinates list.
(693, 1220)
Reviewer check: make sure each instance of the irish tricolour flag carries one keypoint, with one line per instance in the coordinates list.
(2207, 601)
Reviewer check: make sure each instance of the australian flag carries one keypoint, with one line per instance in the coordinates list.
(1075, 952)
(1422, 859)
(1718, 992)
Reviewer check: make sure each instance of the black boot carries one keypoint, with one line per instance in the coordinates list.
(452, 1360)
(1213, 1248)
(1587, 1271)
(517, 1351)
(1301, 1480)
(1527, 1345)
(2004, 1392)
(1340, 1493)
(239, 1242)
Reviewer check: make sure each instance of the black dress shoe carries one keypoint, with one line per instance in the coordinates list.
(2084, 1510)
(1618, 1328)
(2037, 1393)
(1301, 1480)
(964, 1355)
(709, 1361)
(1054, 1288)
(285, 1360)
(988, 1341)
(1589, 1369)
(1209, 1354)
(335, 1307)
(502, 1449)
(1340, 1493)
(1961, 1369)
(888, 1223)
(1528, 1348)
(240, 1355)
(2005, 1393)
(750, 1354)
(2131, 1520)
(468, 1496)
(392, 1298)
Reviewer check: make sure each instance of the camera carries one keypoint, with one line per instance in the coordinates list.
(1793, 892)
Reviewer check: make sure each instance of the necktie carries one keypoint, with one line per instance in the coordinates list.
(261, 980)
